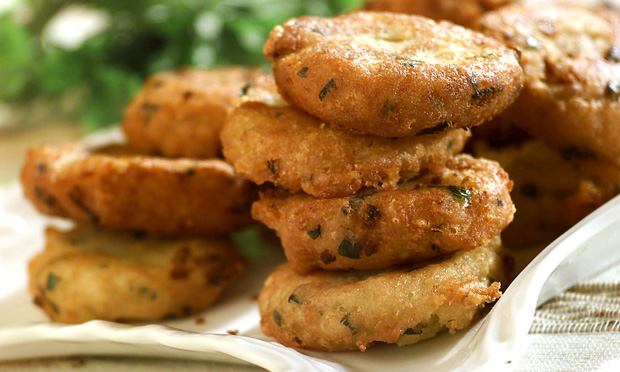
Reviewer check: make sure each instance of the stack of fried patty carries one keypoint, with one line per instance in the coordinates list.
(390, 234)
(151, 240)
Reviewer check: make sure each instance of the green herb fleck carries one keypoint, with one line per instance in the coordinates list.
(318, 31)
(347, 323)
(271, 165)
(46, 197)
(412, 63)
(147, 292)
(277, 318)
(52, 281)
(483, 56)
(315, 232)
(303, 72)
(190, 172)
(612, 90)
(388, 107)
(613, 54)
(293, 298)
(460, 194)
(482, 93)
(148, 109)
(53, 306)
(41, 168)
(245, 88)
(437, 128)
(330, 84)
(349, 250)
(435, 248)
(76, 195)
(415, 330)
(500, 203)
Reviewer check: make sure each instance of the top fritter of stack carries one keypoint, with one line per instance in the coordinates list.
(392, 75)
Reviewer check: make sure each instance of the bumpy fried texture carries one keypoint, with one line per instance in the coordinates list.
(462, 12)
(390, 74)
(571, 57)
(181, 113)
(550, 193)
(459, 208)
(337, 311)
(90, 273)
(268, 141)
(165, 196)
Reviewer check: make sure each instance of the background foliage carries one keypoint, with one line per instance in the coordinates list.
(141, 37)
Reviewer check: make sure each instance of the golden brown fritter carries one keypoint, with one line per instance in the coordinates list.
(181, 113)
(350, 310)
(459, 208)
(132, 192)
(570, 56)
(90, 273)
(550, 194)
(391, 74)
(461, 12)
(268, 141)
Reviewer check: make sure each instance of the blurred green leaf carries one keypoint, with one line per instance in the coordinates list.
(143, 37)
(111, 88)
(15, 58)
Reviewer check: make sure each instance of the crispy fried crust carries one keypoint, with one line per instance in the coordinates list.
(268, 141)
(571, 57)
(90, 273)
(461, 12)
(392, 75)
(459, 208)
(331, 310)
(550, 193)
(181, 113)
(165, 196)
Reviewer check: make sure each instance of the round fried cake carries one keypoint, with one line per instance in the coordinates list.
(461, 12)
(91, 273)
(390, 74)
(181, 113)
(459, 208)
(266, 140)
(118, 189)
(571, 59)
(550, 194)
(336, 311)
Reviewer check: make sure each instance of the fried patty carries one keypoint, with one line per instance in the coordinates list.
(461, 12)
(268, 141)
(571, 59)
(335, 311)
(392, 75)
(90, 273)
(550, 193)
(459, 208)
(133, 192)
(181, 113)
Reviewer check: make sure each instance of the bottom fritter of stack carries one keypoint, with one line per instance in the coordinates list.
(91, 273)
(349, 310)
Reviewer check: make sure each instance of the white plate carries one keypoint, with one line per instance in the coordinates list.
(25, 331)
(489, 344)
